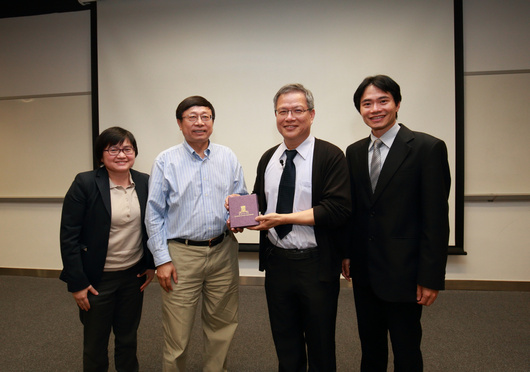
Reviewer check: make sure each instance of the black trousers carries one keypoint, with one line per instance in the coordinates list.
(118, 307)
(376, 319)
(302, 313)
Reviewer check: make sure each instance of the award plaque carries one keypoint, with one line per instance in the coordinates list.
(243, 210)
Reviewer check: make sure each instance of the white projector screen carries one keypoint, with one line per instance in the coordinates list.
(237, 54)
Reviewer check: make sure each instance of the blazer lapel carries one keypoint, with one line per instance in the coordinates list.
(365, 171)
(141, 192)
(397, 154)
(102, 181)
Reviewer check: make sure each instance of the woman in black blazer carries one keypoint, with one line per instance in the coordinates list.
(106, 262)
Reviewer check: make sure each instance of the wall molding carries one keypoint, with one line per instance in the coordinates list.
(497, 197)
(36, 200)
(467, 198)
(38, 96)
(463, 285)
(497, 72)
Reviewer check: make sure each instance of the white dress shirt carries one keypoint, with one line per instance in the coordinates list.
(302, 236)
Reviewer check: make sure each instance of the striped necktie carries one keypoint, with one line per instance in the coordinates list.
(375, 166)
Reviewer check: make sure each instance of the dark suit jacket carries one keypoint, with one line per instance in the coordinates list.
(400, 233)
(330, 200)
(85, 227)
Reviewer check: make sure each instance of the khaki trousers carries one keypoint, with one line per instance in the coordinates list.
(214, 273)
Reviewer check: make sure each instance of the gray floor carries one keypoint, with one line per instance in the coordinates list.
(463, 331)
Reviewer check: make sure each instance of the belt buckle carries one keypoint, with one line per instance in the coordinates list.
(212, 240)
(217, 239)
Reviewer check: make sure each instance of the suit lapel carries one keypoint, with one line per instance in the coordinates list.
(365, 171)
(141, 191)
(397, 154)
(102, 181)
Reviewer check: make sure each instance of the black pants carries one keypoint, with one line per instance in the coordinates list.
(302, 312)
(118, 307)
(376, 319)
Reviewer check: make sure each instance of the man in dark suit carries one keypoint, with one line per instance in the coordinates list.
(302, 263)
(400, 184)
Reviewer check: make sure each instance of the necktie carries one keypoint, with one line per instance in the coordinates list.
(375, 166)
(286, 192)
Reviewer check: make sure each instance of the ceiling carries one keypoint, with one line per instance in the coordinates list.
(21, 8)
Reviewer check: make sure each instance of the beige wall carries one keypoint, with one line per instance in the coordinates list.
(44, 82)
(496, 234)
(30, 235)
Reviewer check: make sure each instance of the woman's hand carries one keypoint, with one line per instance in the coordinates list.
(150, 274)
(81, 297)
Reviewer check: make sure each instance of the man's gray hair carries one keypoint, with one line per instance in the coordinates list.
(296, 88)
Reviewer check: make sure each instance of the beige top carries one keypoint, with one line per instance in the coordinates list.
(125, 238)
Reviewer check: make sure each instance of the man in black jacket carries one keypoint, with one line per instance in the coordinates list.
(400, 184)
(302, 263)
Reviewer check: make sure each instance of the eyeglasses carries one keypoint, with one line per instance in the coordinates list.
(193, 118)
(114, 151)
(297, 112)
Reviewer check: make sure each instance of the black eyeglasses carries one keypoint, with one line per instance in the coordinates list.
(114, 151)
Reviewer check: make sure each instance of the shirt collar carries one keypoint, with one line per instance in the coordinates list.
(303, 149)
(387, 138)
(194, 153)
(112, 185)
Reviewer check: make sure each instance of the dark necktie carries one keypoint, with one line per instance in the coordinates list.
(286, 192)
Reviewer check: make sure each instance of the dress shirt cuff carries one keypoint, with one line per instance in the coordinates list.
(160, 255)
(162, 259)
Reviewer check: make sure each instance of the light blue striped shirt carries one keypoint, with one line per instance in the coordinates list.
(187, 195)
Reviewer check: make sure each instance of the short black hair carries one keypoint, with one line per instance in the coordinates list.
(194, 101)
(111, 137)
(383, 82)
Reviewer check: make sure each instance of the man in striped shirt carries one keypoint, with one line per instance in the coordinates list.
(193, 250)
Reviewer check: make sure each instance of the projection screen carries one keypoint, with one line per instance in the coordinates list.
(237, 54)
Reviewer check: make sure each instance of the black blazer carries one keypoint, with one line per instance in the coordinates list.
(85, 227)
(400, 233)
(330, 200)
